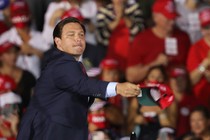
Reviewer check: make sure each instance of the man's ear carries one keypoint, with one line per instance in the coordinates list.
(208, 121)
(155, 17)
(58, 43)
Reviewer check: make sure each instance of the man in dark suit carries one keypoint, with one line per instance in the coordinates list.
(63, 94)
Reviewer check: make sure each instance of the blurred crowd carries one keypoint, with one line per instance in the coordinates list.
(140, 41)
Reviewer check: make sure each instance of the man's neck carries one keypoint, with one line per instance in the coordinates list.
(207, 40)
(160, 32)
(5, 69)
(76, 57)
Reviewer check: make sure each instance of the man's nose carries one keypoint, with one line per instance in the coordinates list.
(77, 38)
(171, 22)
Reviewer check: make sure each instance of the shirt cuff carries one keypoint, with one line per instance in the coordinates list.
(111, 89)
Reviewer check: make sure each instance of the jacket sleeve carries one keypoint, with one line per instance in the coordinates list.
(69, 76)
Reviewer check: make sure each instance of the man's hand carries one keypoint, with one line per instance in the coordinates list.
(26, 49)
(127, 89)
(162, 59)
(207, 75)
(56, 16)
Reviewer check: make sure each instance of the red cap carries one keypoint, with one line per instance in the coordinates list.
(6, 83)
(19, 14)
(98, 119)
(176, 72)
(73, 12)
(204, 17)
(109, 63)
(165, 7)
(5, 46)
(161, 94)
(167, 96)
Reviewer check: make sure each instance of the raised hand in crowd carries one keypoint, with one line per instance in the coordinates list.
(201, 71)
(162, 59)
(56, 16)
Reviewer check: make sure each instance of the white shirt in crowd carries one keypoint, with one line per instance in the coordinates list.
(31, 63)
(188, 20)
(47, 29)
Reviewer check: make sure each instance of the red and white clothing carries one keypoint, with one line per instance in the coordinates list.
(188, 20)
(98, 119)
(147, 46)
(26, 62)
(119, 44)
(118, 40)
(184, 108)
(47, 29)
(196, 55)
(6, 125)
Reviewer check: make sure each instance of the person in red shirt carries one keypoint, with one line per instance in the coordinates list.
(147, 118)
(9, 118)
(163, 44)
(199, 123)
(111, 72)
(198, 62)
(96, 116)
(117, 25)
(184, 103)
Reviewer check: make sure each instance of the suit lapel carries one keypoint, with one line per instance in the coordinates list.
(90, 99)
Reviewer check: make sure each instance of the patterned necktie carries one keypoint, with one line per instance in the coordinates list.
(83, 68)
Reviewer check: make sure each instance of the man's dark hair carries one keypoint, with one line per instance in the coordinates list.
(59, 27)
(162, 70)
(203, 110)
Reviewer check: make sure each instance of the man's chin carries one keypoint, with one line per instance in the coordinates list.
(77, 56)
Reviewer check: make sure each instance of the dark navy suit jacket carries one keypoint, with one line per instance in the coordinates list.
(61, 100)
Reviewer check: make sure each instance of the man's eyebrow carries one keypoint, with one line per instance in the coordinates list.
(75, 31)
(70, 32)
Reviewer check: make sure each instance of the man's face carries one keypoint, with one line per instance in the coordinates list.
(198, 123)
(118, 1)
(206, 32)
(9, 57)
(162, 22)
(72, 40)
(110, 75)
(155, 75)
(178, 84)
